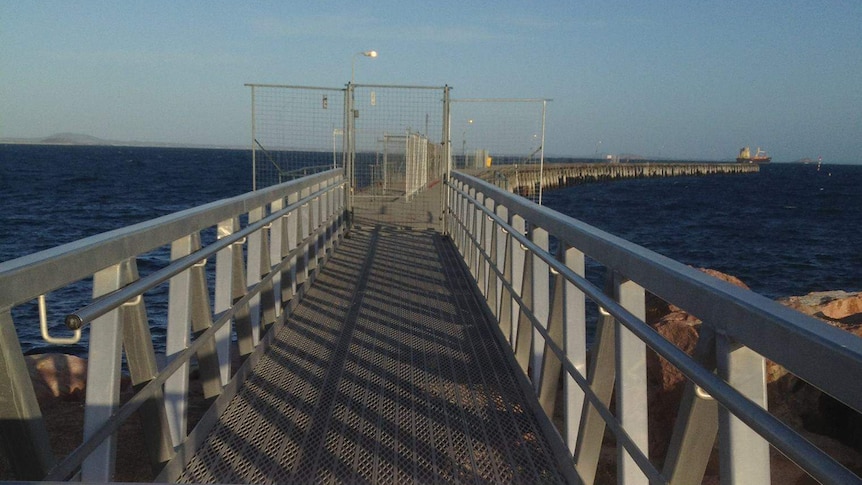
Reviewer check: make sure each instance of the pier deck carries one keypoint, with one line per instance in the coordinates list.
(387, 372)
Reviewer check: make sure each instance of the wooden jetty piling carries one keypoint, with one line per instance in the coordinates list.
(526, 179)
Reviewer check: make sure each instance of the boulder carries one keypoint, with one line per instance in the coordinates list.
(843, 308)
(57, 376)
(814, 414)
(665, 382)
(61, 377)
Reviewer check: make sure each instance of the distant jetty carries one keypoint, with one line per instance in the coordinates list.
(526, 179)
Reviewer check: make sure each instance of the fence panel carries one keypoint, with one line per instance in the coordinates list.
(296, 131)
(399, 149)
(490, 132)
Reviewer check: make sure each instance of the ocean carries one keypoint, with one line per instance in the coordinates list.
(789, 230)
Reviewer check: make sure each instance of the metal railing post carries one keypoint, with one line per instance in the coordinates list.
(541, 300)
(696, 425)
(601, 377)
(178, 339)
(103, 376)
(501, 237)
(224, 294)
(277, 243)
(292, 228)
(143, 368)
(22, 428)
(253, 270)
(490, 248)
(518, 256)
(631, 382)
(575, 338)
(744, 455)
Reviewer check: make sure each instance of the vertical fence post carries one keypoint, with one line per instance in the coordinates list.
(103, 376)
(304, 230)
(276, 250)
(21, 425)
(177, 340)
(601, 379)
(631, 388)
(541, 301)
(253, 265)
(478, 229)
(289, 286)
(567, 329)
(518, 256)
(524, 336)
(696, 423)
(314, 224)
(224, 294)
(202, 320)
(575, 338)
(461, 225)
(743, 453)
(490, 248)
(501, 237)
(141, 361)
(469, 233)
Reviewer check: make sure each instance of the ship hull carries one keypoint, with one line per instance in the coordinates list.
(754, 160)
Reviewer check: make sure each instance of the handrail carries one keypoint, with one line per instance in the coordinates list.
(104, 304)
(52, 268)
(64, 469)
(619, 255)
(832, 357)
(290, 230)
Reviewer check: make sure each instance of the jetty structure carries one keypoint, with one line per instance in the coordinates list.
(393, 319)
(531, 179)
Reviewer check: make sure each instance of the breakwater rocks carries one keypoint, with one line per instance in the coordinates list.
(829, 424)
(526, 179)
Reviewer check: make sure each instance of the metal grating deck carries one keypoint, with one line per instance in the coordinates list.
(387, 372)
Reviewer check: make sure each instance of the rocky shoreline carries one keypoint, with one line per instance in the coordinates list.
(829, 424)
(60, 381)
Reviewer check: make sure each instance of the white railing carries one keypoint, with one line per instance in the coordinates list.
(264, 251)
(540, 301)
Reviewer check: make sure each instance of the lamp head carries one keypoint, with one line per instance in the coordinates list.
(370, 53)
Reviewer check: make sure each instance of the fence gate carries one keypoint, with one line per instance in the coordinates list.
(296, 131)
(398, 154)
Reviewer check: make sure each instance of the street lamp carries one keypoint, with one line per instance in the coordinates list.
(371, 54)
(350, 134)
(464, 142)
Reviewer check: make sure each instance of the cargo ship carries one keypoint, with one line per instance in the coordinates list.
(759, 157)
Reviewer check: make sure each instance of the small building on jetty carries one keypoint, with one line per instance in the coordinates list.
(526, 179)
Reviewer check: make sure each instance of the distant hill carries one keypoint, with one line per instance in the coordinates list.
(77, 139)
(72, 139)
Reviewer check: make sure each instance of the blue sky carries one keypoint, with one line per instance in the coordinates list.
(671, 78)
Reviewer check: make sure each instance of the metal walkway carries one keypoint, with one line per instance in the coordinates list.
(387, 372)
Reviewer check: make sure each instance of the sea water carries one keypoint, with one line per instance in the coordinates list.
(789, 230)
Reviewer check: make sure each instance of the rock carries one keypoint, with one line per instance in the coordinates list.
(60, 376)
(793, 401)
(833, 307)
(844, 308)
(665, 382)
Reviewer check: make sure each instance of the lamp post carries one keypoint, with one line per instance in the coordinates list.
(350, 135)
(371, 54)
(464, 143)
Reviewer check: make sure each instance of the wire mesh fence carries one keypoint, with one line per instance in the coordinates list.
(394, 142)
(399, 147)
(489, 132)
(296, 131)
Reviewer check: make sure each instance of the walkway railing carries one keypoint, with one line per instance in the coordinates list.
(539, 297)
(264, 251)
